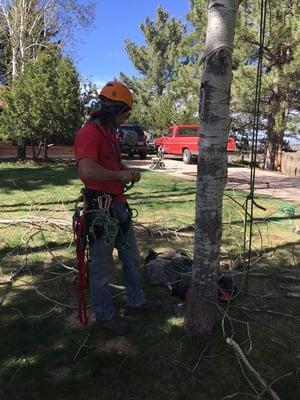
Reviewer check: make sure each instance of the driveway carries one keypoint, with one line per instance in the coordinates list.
(267, 182)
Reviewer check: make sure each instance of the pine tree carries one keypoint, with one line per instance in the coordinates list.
(156, 61)
(4, 58)
(281, 74)
(30, 27)
(43, 102)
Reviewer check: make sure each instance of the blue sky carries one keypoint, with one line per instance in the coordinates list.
(101, 56)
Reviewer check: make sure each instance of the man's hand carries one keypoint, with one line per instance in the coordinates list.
(129, 175)
(136, 176)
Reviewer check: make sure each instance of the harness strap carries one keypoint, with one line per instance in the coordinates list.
(100, 204)
(82, 280)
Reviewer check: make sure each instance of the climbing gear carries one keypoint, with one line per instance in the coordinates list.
(102, 220)
(81, 281)
(284, 215)
(250, 201)
(174, 271)
(117, 91)
(94, 217)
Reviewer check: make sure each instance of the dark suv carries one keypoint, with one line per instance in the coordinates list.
(132, 140)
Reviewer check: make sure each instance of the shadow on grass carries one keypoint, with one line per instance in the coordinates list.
(18, 206)
(39, 177)
(45, 355)
(22, 250)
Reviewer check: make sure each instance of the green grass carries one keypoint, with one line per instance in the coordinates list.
(45, 354)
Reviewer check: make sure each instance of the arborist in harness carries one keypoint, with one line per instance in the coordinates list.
(106, 216)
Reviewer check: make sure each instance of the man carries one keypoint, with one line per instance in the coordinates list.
(109, 225)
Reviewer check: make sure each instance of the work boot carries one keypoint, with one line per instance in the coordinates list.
(117, 326)
(148, 305)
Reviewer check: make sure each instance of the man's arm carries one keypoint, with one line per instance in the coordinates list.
(90, 170)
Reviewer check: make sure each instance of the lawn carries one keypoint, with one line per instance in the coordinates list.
(46, 354)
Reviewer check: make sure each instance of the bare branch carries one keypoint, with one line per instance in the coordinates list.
(241, 356)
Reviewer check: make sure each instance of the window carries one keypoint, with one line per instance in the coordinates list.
(189, 132)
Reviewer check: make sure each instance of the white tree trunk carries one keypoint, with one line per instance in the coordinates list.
(28, 25)
(201, 309)
(14, 64)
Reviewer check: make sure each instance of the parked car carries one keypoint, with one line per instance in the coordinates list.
(183, 140)
(150, 139)
(132, 140)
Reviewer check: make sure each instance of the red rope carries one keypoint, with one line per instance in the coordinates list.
(82, 279)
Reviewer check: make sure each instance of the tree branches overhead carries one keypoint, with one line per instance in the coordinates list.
(28, 26)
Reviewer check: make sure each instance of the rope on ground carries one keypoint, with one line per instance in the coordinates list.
(284, 215)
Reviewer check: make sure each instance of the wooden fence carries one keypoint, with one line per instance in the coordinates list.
(7, 151)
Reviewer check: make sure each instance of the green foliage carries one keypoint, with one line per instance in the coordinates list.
(29, 27)
(281, 78)
(4, 58)
(44, 101)
(169, 65)
(157, 62)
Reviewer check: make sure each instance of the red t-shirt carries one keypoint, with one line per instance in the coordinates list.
(100, 144)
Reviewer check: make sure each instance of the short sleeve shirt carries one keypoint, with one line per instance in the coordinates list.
(100, 144)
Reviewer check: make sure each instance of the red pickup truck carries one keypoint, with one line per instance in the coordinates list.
(183, 140)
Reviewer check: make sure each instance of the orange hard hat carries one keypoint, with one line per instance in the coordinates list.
(117, 91)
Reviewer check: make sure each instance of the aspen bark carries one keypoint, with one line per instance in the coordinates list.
(201, 308)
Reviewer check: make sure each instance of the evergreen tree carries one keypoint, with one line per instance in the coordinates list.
(44, 101)
(281, 77)
(29, 27)
(4, 58)
(186, 84)
(156, 61)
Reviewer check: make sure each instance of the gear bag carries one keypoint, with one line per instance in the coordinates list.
(174, 271)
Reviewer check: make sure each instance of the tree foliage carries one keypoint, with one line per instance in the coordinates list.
(281, 75)
(167, 86)
(156, 61)
(28, 27)
(5, 56)
(44, 101)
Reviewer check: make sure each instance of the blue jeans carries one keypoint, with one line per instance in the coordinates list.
(101, 269)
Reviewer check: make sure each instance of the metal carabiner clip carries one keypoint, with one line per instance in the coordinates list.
(104, 201)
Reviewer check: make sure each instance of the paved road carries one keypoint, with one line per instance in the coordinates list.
(267, 182)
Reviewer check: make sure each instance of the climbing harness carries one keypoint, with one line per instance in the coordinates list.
(94, 210)
(81, 281)
(104, 218)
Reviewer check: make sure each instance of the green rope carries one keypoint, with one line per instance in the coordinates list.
(250, 202)
(110, 225)
(286, 211)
